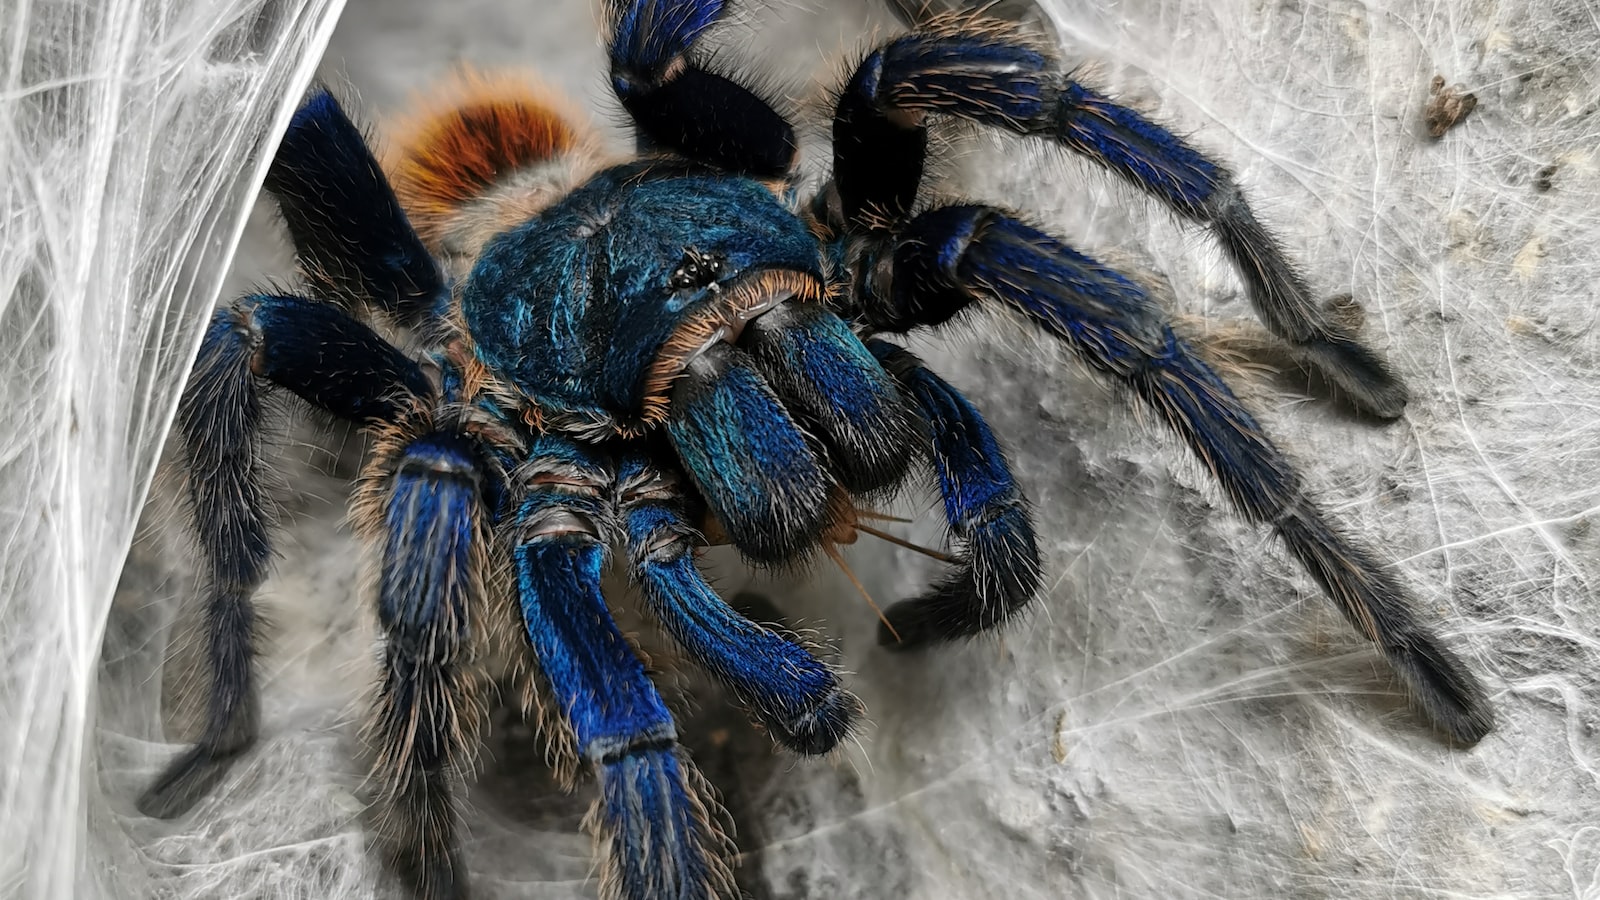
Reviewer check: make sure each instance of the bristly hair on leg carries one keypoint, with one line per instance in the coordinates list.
(524, 687)
(420, 502)
(656, 805)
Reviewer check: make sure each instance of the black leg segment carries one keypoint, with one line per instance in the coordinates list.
(330, 360)
(681, 107)
(997, 80)
(353, 240)
(976, 252)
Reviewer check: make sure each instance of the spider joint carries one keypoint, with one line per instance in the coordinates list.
(607, 750)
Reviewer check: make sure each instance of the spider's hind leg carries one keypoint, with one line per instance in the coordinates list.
(949, 257)
(984, 73)
(282, 339)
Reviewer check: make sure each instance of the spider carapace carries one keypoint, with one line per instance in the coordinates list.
(564, 357)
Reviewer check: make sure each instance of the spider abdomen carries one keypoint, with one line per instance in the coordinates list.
(482, 154)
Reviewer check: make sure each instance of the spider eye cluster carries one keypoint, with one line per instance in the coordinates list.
(696, 270)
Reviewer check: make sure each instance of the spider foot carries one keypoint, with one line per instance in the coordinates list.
(1442, 688)
(1355, 370)
(1439, 685)
(417, 831)
(997, 572)
(819, 728)
(995, 579)
(232, 714)
(187, 779)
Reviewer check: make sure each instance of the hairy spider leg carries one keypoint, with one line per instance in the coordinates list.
(678, 104)
(655, 815)
(991, 78)
(797, 697)
(425, 504)
(353, 241)
(332, 361)
(947, 258)
(997, 571)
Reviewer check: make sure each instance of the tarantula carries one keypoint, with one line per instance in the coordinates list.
(587, 356)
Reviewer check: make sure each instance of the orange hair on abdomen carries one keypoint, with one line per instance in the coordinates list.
(467, 137)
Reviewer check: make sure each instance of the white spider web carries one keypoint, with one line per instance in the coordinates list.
(129, 139)
(1184, 716)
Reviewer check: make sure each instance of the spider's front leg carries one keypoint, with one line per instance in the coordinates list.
(947, 258)
(333, 362)
(681, 106)
(655, 815)
(987, 75)
(797, 698)
(997, 572)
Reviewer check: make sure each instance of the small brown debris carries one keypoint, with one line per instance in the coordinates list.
(1543, 179)
(1058, 744)
(1446, 106)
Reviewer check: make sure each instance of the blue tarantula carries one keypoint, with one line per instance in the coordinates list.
(641, 356)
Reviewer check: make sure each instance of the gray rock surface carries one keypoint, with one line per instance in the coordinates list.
(1184, 715)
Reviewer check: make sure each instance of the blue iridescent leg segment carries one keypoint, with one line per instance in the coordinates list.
(682, 107)
(796, 697)
(997, 571)
(1005, 83)
(425, 718)
(950, 257)
(334, 362)
(354, 243)
(655, 815)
